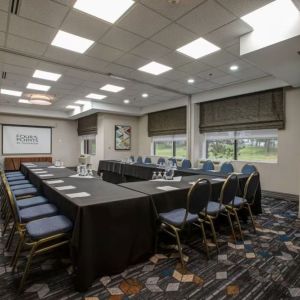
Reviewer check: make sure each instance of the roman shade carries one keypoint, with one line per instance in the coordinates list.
(167, 122)
(87, 125)
(260, 110)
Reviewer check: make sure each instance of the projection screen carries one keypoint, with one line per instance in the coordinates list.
(18, 139)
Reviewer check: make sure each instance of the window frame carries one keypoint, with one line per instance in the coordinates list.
(168, 138)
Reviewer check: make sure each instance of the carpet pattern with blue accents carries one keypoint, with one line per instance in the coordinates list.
(266, 265)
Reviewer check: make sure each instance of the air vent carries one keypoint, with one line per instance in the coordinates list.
(15, 5)
(3, 75)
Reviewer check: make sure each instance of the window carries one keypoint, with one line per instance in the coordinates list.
(170, 145)
(251, 145)
(88, 144)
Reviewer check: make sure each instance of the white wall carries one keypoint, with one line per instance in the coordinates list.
(65, 144)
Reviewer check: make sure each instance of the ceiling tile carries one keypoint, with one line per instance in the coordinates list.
(121, 39)
(45, 12)
(2, 38)
(251, 73)
(169, 10)
(218, 58)
(118, 70)
(174, 36)
(234, 49)
(176, 75)
(104, 52)
(4, 5)
(225, 35)
(25, 45)
(194, 67)
(17, 70)
(31, 30)
(18, 60)
(227, 79)
(207, 85)
(3, 21)
(91, 63)
(83, 75)
(131, 61)
(69, 3)
(175, 59)
(62, 55)
(211, 74)
(84, 25)
(240, 63)
(243, 7)
(206, 17)
(143, 21)
(48, 67)
(150, 50)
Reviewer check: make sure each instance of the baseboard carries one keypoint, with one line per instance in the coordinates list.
(289, 197)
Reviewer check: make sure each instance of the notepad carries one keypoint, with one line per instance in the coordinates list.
(175, 179)
(66, 187)
(46, 175)
(54, 181)
(167, 188)
(78, 176)
(40, 172)
(36, 169)
(219, 179)
(78, 195)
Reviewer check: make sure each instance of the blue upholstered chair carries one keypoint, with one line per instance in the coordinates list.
(174, 221)
(14, 178)
(173, 160)
(139, 160)
(186, 164)
(248, 169)
(246, 201)
(40, 235)
(147, 160)
(208, 165)
(18, 182)
(227, 168)
(132, 158)
(161, 161)
(214, 209)
(16, 173)
(21, 186)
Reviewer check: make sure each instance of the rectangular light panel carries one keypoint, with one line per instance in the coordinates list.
(155, 68)
(198, 48)
(112, 88)
(71, 42)
(95, 96)
(107, 10)
(46, 75)
(38, 87)
(11, 92)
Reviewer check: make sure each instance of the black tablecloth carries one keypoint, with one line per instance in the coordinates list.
(113, 228)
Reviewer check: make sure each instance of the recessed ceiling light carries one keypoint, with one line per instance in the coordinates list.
(81, 102)
(145, 95)
(25, 101)
(38, 87)
(46, 75)
(72, 106)
(95, 96)
(271, 14)
(198, 48)
(234, 67)
(155, 68)
(40, 102)
(191, 80)
(107, 10)
(112, 88)
(11, 92)
(126, 101)
(71, 42)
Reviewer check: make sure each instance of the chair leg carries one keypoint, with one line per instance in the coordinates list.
(17, 252)
(238, 222)
(231, 226)
(212, 226)
(251, 216)
(27, 268)
(10, 238)
(204, 239)
(7, 219)
(179, 249)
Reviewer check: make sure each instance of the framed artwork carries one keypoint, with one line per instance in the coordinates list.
(122, 137)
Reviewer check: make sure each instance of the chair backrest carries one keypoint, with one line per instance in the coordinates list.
(173, 160)
(161, 160)
(229, 189)
(131, 157)
(227, 168)
(248, 169)
(186, 164)
(147, 160)
(251, 187)
(139, 160)
(208, 165)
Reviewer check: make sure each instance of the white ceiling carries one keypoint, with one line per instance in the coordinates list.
(149, 30)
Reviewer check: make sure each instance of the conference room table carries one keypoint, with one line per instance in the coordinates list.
(26, 166)
(121, 172)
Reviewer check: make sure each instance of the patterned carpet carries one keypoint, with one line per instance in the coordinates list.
(265, 266)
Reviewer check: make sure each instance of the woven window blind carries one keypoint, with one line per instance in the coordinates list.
(260, 110)
(87, 125)
(167, 122)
